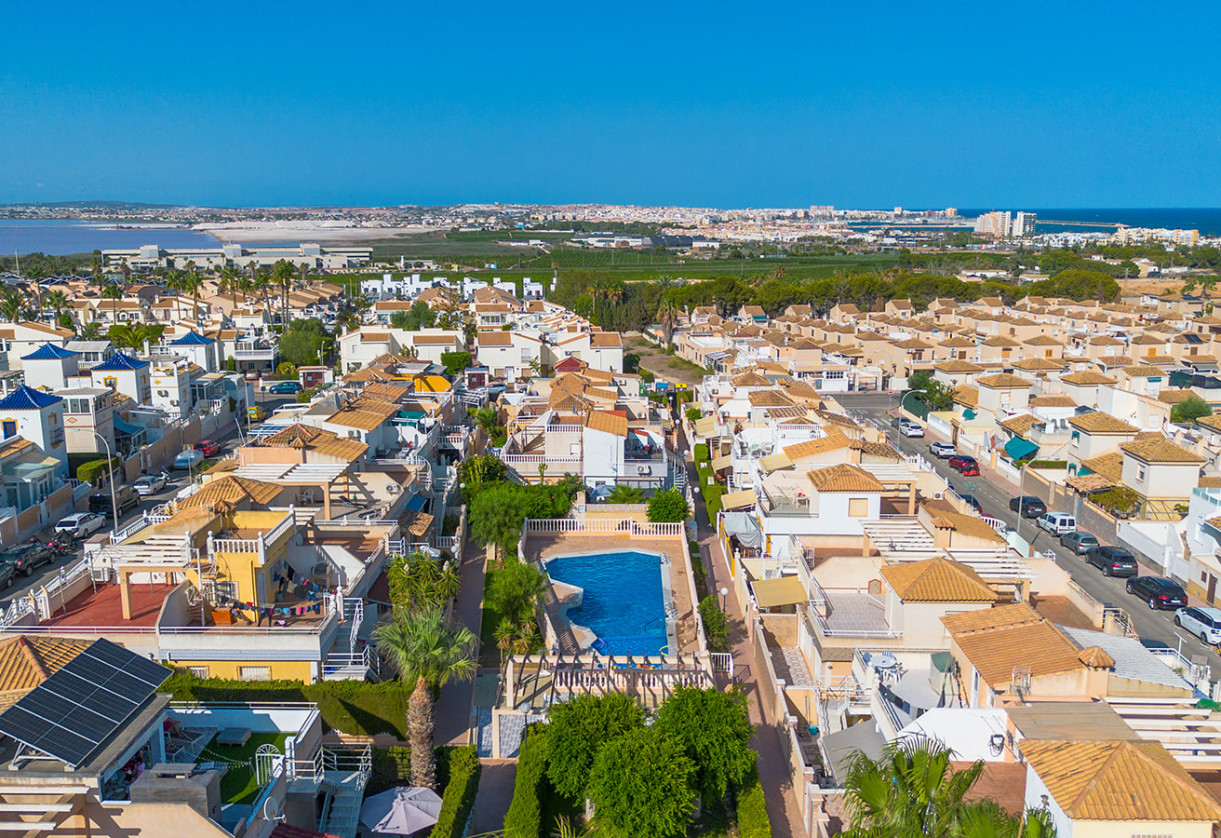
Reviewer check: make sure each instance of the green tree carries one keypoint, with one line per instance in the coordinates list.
(417, 581)
(479, 471)
(113, 293)
(455, 362)
(487, 418)
(669, 505)
(1190, 409)
(497, 514)
(301, 343)
(12, 303)
(714, 730)
(282, 274)
(576, 732)
(425, 650)
(132, 335)
(58, 301)
(642, 784)
(419, 316)
(912, 789)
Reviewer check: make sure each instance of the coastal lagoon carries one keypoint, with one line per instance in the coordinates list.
(58, 237)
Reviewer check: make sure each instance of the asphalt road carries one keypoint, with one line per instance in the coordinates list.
(993, 495)
(177, 481)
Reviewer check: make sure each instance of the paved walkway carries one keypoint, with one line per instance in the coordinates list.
(454, 705)
(494, 795)
(774, 774)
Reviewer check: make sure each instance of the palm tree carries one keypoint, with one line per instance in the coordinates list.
(11, 304)
(911, 789)
(282, 273)
(90, 331)
(113, 293)
(625, 494)
(428, 652)
(667, 316)
(58, 301)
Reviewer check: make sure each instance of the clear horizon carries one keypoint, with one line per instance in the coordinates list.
(787, 106)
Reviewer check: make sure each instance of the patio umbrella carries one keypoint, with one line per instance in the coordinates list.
(401, 811)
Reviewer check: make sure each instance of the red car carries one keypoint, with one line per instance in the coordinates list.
(966, 465)
(208, 447)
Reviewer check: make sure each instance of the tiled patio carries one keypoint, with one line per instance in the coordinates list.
(851, 613)
(104, 607)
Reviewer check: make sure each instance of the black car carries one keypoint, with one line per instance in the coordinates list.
(1112, 561)
(25, 557)
(8, 574)
(973, 502)
(1028, 505)
(1158, 592)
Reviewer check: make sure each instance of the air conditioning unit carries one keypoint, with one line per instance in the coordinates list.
(642, 469)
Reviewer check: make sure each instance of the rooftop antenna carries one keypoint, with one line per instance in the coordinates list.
(17, 259)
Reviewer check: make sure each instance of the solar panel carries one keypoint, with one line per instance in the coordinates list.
(71, 713)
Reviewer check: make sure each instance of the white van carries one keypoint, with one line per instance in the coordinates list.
(1058, 523)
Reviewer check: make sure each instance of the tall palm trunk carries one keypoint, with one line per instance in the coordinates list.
(419, 725)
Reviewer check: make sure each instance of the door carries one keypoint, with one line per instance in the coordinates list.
(1212, 588)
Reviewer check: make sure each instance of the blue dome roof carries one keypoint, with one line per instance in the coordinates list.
(49, 352)
(192, 339)
(27, 398)
(119, 362)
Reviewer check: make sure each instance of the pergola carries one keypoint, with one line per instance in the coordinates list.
(322, 475)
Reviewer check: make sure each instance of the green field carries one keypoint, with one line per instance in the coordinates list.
(238, 783)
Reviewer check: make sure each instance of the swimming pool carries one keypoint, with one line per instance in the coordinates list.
(624, 601)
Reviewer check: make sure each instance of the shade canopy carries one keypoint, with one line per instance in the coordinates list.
(1017, 448)
(745, 528)
(401, 811)
(784, 590)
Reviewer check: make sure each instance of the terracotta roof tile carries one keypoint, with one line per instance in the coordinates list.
(1101, 423)
(1160, 450)
(937, 580)
(844, 477)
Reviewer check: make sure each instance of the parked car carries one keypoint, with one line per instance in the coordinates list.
(285, 388)
(965, 465)
(150, 484)
(973, 502)
(125, 497)
(8, 574)
(208, 447)
(1112, 561)
(27, 556)
(81, 524)
(897, 421)
(256, 413)
(1079, 542)
(187, 459)
(1202, 621)
(943, 449)
(1028, 506)
(911, 429)
(1057, 523)
(1157, 592)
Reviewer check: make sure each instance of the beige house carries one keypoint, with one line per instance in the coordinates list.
(1003, 394)
(1095, 434)
(1082, 387)
(1160, 470)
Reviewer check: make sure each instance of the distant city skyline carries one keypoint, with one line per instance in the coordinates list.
(698, 106)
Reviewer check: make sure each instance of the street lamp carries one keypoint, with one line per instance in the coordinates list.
(114, 504)
(903, 398)
(724, 593)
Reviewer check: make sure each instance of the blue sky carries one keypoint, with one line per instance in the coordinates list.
(856, 105)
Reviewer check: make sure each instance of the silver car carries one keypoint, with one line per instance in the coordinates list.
(943, 449)
(1202, 621)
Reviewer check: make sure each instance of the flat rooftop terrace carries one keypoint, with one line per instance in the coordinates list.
(104, 607)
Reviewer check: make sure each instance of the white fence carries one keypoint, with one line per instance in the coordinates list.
(608, 525)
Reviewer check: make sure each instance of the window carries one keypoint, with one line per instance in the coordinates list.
(198, 671)
(1140, 472)
(10, 428)
(254, 673)
(1076, 438)
(858, 507)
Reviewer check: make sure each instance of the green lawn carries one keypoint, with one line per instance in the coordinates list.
(238, 786)
(489, 654)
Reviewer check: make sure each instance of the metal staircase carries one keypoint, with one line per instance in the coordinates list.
(348, 660)
(342, 775)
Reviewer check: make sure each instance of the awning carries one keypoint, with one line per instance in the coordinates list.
(126, 427)
(774, 462)
(738, 500)
(1018, 448)
(772, 593)
(743, 527)
(1085, 483)
(705, 426)
(722, 462)
(840, 747)
(416, 503)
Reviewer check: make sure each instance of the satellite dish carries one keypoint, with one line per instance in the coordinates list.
(271, 809)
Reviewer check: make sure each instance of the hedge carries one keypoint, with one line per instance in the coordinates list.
(459, 796)
(525, 816)
(701, 453)
(752, 810)
(716, 626)
(93, 470)
(391, 767)
(712, 499)
(356, 707)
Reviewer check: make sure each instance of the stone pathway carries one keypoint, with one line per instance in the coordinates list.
(494, 795)
(454, 705)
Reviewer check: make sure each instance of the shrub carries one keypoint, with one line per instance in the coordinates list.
(701, 452)
(94, 470)
(1048, 464)
(642, 784)
(694, 414)
(287, 371)
(391, 767)
(576, 732)
(752, 810)
(716, 625)
(647, 377)
(668, 506)
(712, 498)
(525, 816)
(459, 796)
(359, 708)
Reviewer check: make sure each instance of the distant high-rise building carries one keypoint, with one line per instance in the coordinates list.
(898, 211)
(1023, 224)
(951, 212)
(994, 224)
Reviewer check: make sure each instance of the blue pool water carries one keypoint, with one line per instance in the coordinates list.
(623, 602)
